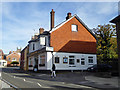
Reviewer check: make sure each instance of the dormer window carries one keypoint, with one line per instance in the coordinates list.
(42, 40)
(74, 28)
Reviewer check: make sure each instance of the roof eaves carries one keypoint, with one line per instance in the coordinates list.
(58, 26)
(116, 19)
(85, 26)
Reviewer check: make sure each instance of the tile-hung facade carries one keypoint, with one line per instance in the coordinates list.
(71, 45)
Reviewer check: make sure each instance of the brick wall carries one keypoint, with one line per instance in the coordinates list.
(63, 35)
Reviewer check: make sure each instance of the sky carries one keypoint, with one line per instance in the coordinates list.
(21, 20)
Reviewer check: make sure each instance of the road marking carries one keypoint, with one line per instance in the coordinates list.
(29, 81)
(63, 82)
(39, 84)
(10, 84)
(0, 74)
(42, 75)
(14, 76)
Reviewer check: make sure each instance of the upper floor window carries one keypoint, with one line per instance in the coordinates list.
(9, 59)
(13, 59)
(33, 46)
(74, 28)
(42, 40)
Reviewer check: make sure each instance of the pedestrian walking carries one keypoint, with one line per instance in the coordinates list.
(53, 75)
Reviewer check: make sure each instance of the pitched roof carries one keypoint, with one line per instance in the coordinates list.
(58, 26)
(79, 47)
(116, 19)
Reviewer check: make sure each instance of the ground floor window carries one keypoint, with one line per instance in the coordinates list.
(90, 59)
(56, 59)
(65, 60)
(30, 63)
(71, 60)
(78, 60)
(82, 61)
(42, 60)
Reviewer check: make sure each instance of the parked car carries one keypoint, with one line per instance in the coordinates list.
(100, 68)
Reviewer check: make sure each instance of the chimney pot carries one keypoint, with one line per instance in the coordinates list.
(32, 37)
(68, 16)
(41, 30)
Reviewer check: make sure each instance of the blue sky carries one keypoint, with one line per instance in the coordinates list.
(20, 20)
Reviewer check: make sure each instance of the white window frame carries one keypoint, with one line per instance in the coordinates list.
(82, 60)
(58, 59)
(74, 28)
(90, 58)
(73, 58)
(42, 41)
(65, 60)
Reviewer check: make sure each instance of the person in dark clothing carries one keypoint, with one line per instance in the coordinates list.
(53, 71)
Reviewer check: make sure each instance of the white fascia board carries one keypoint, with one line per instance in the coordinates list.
(62, 23)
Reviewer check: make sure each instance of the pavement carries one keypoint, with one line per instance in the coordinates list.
(80, 78)
(2, 83)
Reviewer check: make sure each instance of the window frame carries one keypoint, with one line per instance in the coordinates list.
(73, 27)
(77, 60)
(82, 60)
(43, 38)
(33, 46)
(90, 58)
(58, 59)
(65, 62)
(72, 58)
(42, 58)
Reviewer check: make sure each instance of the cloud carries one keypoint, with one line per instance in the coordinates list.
(19, 19)
(96, 13)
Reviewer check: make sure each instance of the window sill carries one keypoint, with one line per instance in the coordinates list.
(72, 66)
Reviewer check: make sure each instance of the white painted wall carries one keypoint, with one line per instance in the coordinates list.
(37, 45)
(62, 66)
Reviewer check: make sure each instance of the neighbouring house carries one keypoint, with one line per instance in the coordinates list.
(116, 20)
(13, 58)
(3, 62)
(24, 58)
(1, 54)
(71, 45)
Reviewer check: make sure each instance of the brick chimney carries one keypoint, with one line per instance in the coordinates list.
(52, 19)
(68, 16)
(32, 37)
(41, 30)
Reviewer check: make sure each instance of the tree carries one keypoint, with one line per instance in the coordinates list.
(105, 46)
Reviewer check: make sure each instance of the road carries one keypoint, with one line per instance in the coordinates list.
(23, 80)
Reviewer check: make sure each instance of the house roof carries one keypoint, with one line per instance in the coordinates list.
(43, 34)
(61, 24)
(79, 47)
(116, 19)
